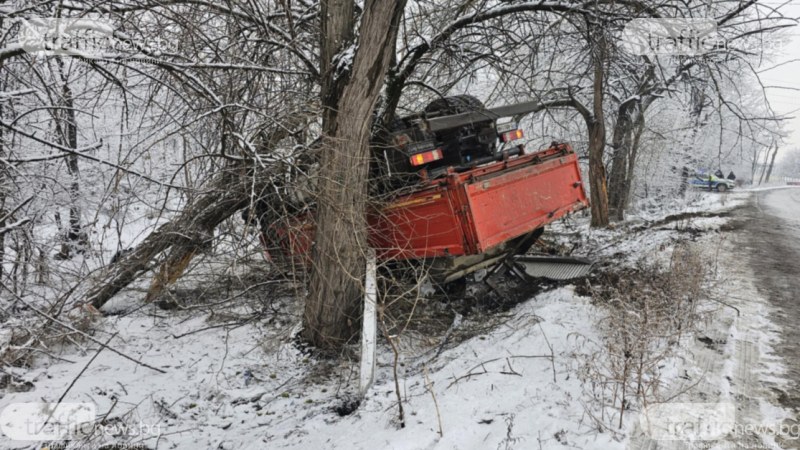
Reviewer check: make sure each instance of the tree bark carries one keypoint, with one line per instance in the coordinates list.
(338, 23)
(636, 139)
(67, 127)
(620, 139)
(597, 139)
(771, 164)
(2, 221)
(3, 177)
(764, 166)
(335, 287)
(625, 141)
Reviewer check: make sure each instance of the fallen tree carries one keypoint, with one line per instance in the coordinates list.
(182, 236)
(232, 189)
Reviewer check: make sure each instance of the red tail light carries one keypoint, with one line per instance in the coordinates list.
(512, 135)
(426, 157)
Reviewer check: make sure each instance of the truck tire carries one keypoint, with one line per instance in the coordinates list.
(456, 104)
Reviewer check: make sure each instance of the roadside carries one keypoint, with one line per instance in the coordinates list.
(748, 364)
(538, 374)
(770, 240)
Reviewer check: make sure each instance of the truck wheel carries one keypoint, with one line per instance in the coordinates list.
(456, 104)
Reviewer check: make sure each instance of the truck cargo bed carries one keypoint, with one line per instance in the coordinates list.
(472, 212)
(467, 220)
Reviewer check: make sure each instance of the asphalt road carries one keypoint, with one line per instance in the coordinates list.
(772, 227)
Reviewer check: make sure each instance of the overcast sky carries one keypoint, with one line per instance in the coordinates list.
(784, 95)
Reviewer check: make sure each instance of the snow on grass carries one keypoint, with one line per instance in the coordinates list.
(648, 235)
(493, 391)
(696, 201)
(250, 386)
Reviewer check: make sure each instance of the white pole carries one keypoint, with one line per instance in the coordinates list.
(369, 327)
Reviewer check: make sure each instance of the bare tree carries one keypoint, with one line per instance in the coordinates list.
(338, 255)
(596, 125)
(771, 164)
(66, 125)
(261, 94)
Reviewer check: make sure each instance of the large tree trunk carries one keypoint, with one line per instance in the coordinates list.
(597, 140)
(619, 164)
(3, 174)
(338, 23)
(635, 142)
(625, 141)
(335, 287)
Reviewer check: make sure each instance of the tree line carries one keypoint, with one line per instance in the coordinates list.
(201, 110)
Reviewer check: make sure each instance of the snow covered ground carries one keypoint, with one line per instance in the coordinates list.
(520, 379)
(231, 389)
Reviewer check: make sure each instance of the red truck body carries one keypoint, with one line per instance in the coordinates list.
(471, 212)
(466, 220)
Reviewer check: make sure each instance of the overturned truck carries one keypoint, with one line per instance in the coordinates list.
(461, 193)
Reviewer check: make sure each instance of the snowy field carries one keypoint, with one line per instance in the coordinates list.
(523, 380)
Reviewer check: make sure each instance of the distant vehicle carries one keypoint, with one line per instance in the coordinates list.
(711, 182)
(792, 181)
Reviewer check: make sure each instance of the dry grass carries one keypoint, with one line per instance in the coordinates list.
(648, 310)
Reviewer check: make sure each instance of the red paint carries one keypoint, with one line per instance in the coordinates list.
(470, 212)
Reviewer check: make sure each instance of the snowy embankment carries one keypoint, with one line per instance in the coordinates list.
(525, 378)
